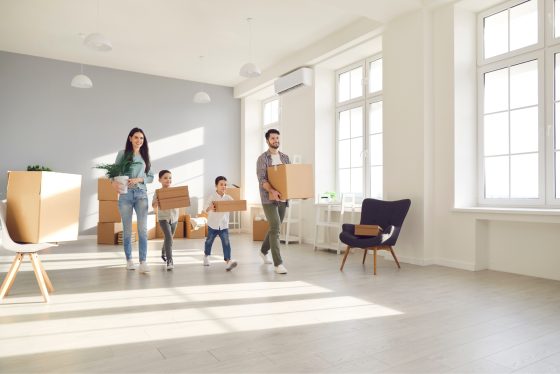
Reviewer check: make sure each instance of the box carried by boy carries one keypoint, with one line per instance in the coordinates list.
(173, 197)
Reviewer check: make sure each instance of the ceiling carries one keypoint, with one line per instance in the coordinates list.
(167, 37)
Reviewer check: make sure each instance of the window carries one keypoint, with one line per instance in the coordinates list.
(359, 129)
(271, 117)
(518, 85)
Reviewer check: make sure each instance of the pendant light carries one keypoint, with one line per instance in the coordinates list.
(96, 40)
(81, 80)
(201, 97)
(250, 69)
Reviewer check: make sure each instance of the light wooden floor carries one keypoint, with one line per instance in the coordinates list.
(195, 319)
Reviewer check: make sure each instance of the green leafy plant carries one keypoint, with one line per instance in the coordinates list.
(37, 168)
(119, 168)
(329, 195)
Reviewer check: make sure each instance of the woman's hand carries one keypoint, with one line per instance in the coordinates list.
(116, 186)
(133, 181)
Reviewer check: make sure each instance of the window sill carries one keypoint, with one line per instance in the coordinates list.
(512, 214)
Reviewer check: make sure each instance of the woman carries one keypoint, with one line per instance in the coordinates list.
(136, 198)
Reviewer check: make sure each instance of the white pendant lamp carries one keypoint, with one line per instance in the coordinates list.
(81, 80)
(201, 97)
(250, 69)
(96, 40)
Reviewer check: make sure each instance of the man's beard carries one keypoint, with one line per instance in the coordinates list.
(275, 146)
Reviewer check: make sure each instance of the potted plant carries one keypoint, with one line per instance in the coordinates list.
(119, 171)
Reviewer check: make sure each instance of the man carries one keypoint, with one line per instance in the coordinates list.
(273, 205)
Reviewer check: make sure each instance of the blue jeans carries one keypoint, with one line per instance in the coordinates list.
(136, 199)
(224, 236)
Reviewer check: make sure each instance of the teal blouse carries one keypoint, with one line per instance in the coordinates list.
(138, 170)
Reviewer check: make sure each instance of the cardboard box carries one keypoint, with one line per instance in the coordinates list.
(105, 190)
(43, 206)
(109, 211)
(230, 205)
(173, 197)
(260, 229)
(107, 232)
(179, 231)
(293, 181)
(199, 233)
(234, 192)
(367, 230)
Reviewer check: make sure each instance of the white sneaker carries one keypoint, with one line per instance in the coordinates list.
(205, 261)
(280, 269)
(130, 265)
(144, 268)
(169, 265)
(231, 264)
(385, 237)
(265, 258)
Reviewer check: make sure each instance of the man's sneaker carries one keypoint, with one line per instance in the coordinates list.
(205, 261)
(130, 265)
(231, 264)
(265, 258)
(280, 269)
(385, 237)
(170, 264)
(163, 255)
(144, 268)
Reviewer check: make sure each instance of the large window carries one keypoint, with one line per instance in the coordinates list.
(359, 129)
(271, 117)
(519, 104)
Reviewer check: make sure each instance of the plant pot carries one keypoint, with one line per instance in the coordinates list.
(122, 180)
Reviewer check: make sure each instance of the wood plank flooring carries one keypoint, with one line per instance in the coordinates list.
(316, 319)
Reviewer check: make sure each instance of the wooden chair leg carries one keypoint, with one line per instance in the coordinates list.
(345, 255)
(374, 261)
(39, 276)
(365, 254)
(395, 257)
(45, 275)
(10, 276)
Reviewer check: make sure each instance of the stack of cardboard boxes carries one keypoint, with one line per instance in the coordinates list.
(109, 224)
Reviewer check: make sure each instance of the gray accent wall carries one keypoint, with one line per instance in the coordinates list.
(43, 120)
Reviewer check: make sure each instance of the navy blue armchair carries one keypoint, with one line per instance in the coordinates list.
(387, 214)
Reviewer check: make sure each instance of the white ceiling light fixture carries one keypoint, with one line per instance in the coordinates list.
(96, 40)
(81, 80)
(201, 97)
(250, 69)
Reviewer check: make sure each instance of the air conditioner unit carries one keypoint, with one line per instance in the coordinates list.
(294, 79)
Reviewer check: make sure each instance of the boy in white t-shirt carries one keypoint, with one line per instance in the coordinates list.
(218, 223)
(167, 219)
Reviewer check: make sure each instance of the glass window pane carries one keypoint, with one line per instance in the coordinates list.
(525, 176)
(344, 180)
(524, 129)
(376, 76)
(523, 20)
(344, 154)
(556, 18)
(557, 126)
(496, 91)
(376, 117)
(357, 123)
(496, 177)
(524, 84)
(356, 152)
(344, 125)
(557, 76)
(344, 87)
(266, 114)
(357, 180)
(376, 149)
(356, 87)
(557, 173)
(274, 110)
(496, 34)
(496, 134)
(377, 182)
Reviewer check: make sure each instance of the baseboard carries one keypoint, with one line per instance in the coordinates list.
(455, 264)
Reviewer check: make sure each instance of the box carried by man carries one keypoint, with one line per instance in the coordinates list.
(293, 181)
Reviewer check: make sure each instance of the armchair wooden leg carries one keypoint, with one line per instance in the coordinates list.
(345, 255)
(10, 276)
(365, 254)
(374, 261)
(45, 276)
(39, 276)
(395, 257)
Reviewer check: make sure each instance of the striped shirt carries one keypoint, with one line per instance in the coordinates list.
(263, 162)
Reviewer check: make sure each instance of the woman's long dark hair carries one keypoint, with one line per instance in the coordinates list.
(144, 150)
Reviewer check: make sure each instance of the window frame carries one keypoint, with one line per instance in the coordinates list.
(272, 125)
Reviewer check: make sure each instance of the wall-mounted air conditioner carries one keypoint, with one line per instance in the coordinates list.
(294, 79)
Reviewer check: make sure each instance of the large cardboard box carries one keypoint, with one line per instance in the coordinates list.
(367, 230)
(230, 205)
(293, 181)
(173, 197)
(179, 231)
(105, 190)
(107, 232)
(199, 233)
(109, 211)
(43, 206)
(260, 228)
(234, 192)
